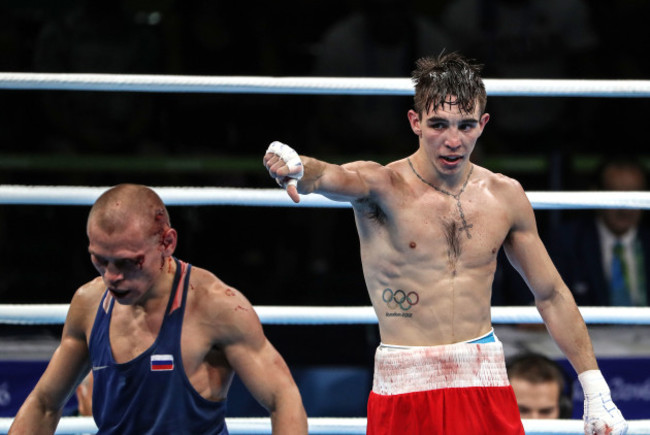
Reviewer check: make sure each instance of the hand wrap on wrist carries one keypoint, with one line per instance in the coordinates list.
(601, 416)
(291, 158)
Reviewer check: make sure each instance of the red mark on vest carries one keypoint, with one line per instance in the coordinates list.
(229, 292)
(412, 245)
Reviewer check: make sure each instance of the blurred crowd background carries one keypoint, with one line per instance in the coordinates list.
(289, 256)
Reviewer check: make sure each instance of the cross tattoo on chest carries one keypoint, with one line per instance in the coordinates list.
(466, 227)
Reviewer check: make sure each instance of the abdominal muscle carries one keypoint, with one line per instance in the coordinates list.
(431, 307)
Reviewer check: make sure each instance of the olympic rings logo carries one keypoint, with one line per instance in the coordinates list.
(399, 298)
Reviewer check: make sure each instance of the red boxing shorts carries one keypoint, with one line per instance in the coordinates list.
(452, 389)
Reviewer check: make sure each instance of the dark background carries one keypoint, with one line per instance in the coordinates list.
(283, 256)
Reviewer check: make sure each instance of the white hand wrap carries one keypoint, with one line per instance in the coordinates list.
(291, 159)
(601, 414)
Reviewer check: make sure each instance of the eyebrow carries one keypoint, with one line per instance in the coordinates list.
(136, 258)
(441, 119)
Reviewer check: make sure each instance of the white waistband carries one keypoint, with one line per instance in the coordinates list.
(471, 340)
(425, 368)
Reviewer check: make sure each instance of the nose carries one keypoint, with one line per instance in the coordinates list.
(112, 274)
(453, 139)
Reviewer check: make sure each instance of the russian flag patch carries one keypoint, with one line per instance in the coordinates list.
(162, 363)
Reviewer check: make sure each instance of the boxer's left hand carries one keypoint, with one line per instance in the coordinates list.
(601, 415)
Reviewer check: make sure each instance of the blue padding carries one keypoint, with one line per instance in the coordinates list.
(327, 391)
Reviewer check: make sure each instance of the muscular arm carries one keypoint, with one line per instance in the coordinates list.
(553, 298)
(338, 182)
(346, 182)
(261, 368)
(41, 411)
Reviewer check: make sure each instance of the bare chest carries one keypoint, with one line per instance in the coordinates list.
(441, 228)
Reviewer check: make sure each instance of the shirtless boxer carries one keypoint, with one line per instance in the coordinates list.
(430, 227)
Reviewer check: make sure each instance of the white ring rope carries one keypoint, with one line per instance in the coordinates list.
(351, 426)
(35, 314)
(81, 195)
(310, 85)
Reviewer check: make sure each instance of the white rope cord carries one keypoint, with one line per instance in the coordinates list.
(82, 195)
(310, 85)
(351, 426)
(41, 314)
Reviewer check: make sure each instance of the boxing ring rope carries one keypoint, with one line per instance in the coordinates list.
(348, 426)
(43, 314)
(81, 195)
(310, 85)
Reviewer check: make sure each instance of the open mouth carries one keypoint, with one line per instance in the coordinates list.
(451, 159)
(118, 293)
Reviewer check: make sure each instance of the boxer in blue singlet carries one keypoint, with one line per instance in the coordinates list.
(163, 339)
(149, 393)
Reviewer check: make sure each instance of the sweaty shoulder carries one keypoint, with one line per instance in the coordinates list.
(507, 191)
(501, 184)
(219, 306)
(83, 307)
(380, 179)
(376, 175)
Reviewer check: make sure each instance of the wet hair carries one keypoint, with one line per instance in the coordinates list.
(448, 74)
(120, 205)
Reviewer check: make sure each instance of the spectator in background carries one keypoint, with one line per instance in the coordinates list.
(605, 257)
(540, 387)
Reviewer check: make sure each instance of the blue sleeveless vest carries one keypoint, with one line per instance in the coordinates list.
(150, 394)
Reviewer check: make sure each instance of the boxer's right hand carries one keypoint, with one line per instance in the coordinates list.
(284, 165)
